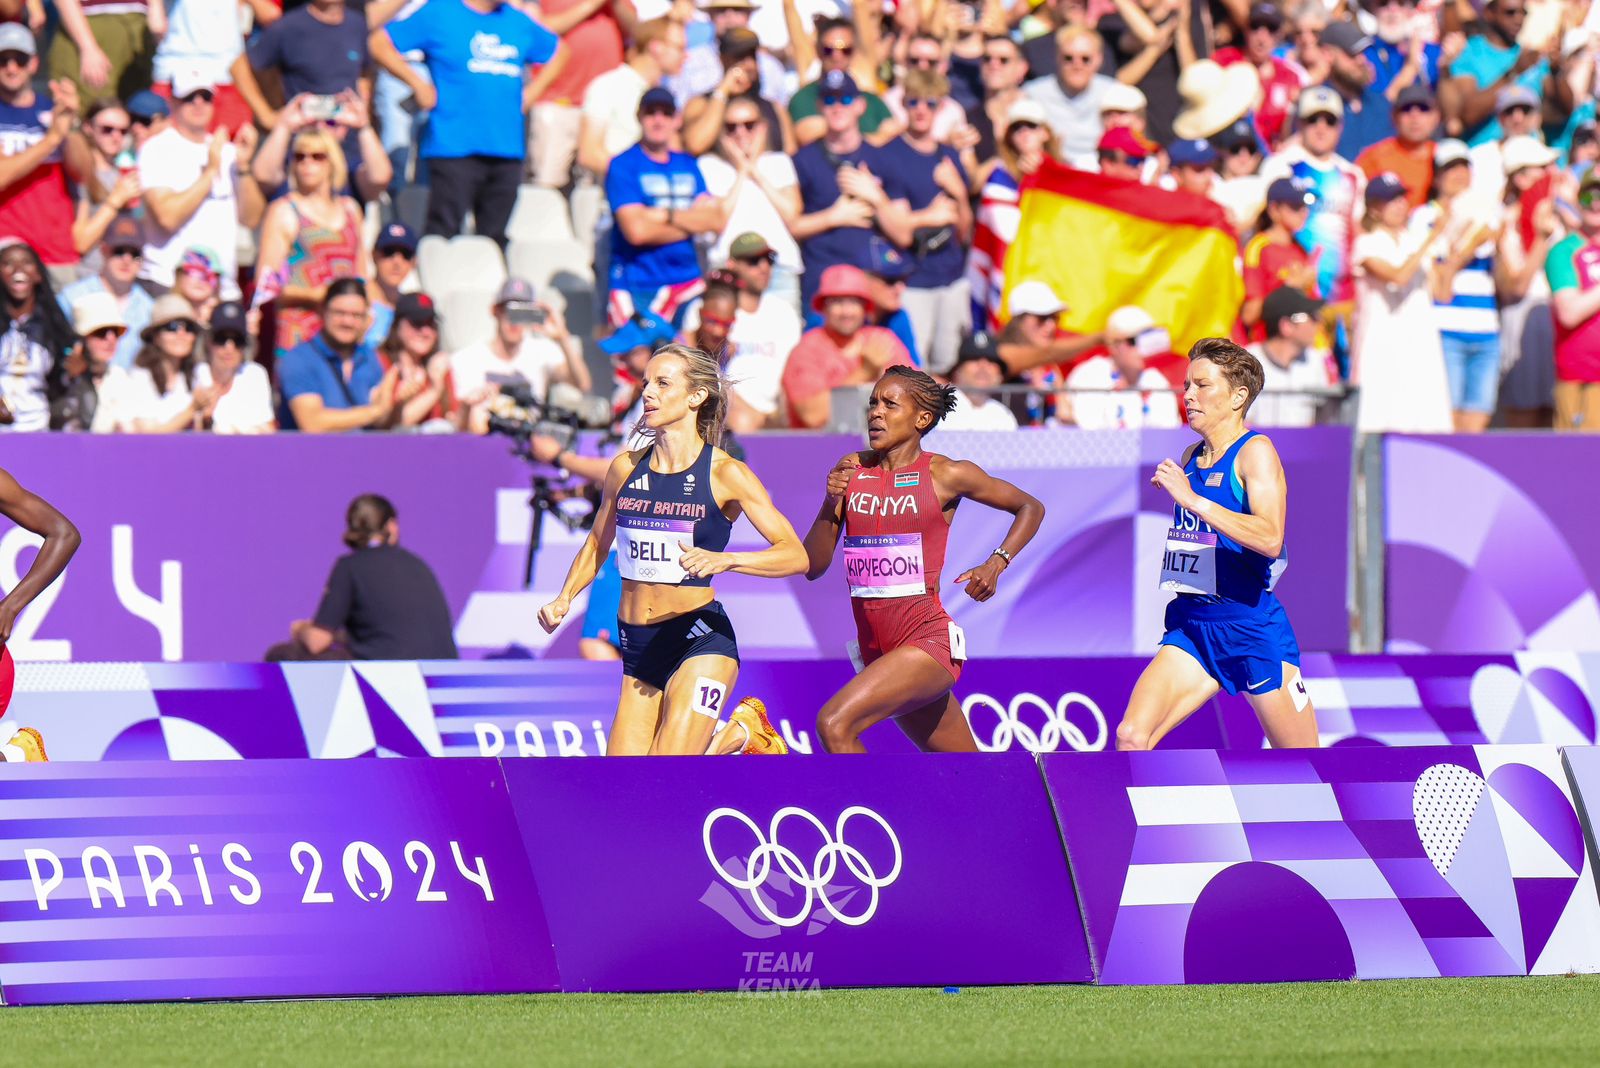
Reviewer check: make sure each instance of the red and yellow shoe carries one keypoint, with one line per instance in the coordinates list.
(764, 740)
(31, 742)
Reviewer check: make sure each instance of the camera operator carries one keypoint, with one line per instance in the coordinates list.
(530, 342)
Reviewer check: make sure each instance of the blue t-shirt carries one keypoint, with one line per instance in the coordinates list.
(1486, 62)
(477, 63)
(1366, 122)
(635, 178)
(907, 174)
(313, 367)
(310, 55)
(817, 168)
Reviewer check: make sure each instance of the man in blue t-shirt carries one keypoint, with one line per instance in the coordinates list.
(476, 53)
(334, 381)
(931, 216)
(659, 201)
(840, 191)
(320, 48)
(1493, 61)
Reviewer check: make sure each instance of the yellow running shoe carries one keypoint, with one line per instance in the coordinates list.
(32, 745)
(764, 740)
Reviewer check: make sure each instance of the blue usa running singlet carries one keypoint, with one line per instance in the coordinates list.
(1200, 562)
(656, 511)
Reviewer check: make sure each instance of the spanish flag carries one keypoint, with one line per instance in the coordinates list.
(1104, 242)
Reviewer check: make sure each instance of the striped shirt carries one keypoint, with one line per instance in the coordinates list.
(1472, 313)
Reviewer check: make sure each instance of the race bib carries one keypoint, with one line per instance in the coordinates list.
(1189, 564)
(884, 565)
(647, 549)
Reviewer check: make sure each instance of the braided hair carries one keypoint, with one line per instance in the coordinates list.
(938, 401)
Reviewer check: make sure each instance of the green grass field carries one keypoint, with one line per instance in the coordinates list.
(1439, 1021)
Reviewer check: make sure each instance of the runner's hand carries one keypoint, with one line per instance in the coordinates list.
(1170, 477)
(982, 580)
(703, 563)
(551, 615)
(839, 477)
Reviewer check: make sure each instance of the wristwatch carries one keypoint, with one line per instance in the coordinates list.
(1002, 554)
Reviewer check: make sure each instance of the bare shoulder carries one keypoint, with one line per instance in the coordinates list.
(1259, 450)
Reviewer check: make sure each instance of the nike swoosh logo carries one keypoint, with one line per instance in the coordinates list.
(1253, 685)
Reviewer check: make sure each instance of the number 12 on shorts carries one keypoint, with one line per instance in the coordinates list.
(708, 695)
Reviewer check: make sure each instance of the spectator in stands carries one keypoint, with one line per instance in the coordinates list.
(630, 347)
(1192, 167)
(425, 392)
(660, 203)
(704, 117)
(1519, 114)
(121, 247)
(1409, 153)
(840, 51)
(359, 145)
(475, 141)
(159, 397)
(319, 48)
(394, 256)
(1400, 56)
(112, 184)
(1281, 82)
(766, 328)
(714, 316)
(90, 371)
(1215, 98)
(592, 34)
(35, 338)
(1003, 73)
(232, 394)
(1573, 269)
(978, 371)
(530, 342)
(1273, 258)
(310, 238)
(765, 203)
(1290, 361)
(1527, 331)
(1151, 42)
(1123, 154)
(334, 381)
(1396, 357)
(1033, 340)
(39, 155)
(381, 602)
(104, 46)
(1024, 146)
(1364, 120)
(1071, 99)
(1491, 62)
(198, 281)
(706, 62)
(888, 270)
(1336, 182)
(930, 214)
(197, 188)
(1241, 189)
(210, 36)
(843, 351)
(925, 54)
(611, 105)
(840, 188)
(1117, 390)
(148, 115)
(1123, 105)
(1304, 47)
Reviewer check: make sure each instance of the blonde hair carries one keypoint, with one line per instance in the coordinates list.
(703, 372)
(316, 140)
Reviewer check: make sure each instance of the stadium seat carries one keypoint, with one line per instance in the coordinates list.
(466, 318)
(541, 214)
(540, 261)
(431, 252)
(585, 203)
(411, 206)
(464, 262)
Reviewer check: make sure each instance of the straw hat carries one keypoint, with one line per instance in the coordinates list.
(1214, 97)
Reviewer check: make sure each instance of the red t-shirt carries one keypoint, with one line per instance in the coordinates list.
(1267, 266)
(593, 47)
(818, 363)
(1279, 91)
(36, 207)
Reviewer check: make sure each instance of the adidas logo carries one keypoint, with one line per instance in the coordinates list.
(699, 630)
(641, 483)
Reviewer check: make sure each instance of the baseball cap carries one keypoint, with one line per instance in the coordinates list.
(1449, 151)
(1266, 15)
(727, 5)
(1320, 100)
(201, 258)
(1346, 37)
(749, 245)
(417, 309)
(838, 83)
(1026, 110)
(124, 232)
(229, 318)
(187, 80)
(1192, 153)
(645, 330)
(978, 346)
(1120, 96)
(1412, 95)
(1242, 132)
(1128, 322)
(1524, 151)
(886, 261)
(96, 311)
(1284, 302)
(1034, 298)
(1295, 191)
(657, 98)
(396, 235)
(15, 37)
(1122, 139)
(514, 291)
(1513, 96)
(1384, 188)
(144, 106)
(739, 43)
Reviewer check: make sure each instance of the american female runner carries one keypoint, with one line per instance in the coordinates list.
(1225, 629)
(894, 504)
(670, 508)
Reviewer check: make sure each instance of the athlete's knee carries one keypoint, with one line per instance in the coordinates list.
(1131, 737)
(837, 730)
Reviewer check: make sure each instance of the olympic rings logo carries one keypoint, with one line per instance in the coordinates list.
(1057, 727)
(815, 877)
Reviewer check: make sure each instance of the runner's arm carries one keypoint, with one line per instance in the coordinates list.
(955, 479)
(595, 547)
(823, 537)
(1264, 486)
(61, 540)
(785, 557)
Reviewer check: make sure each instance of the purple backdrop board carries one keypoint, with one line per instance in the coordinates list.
(155, 881)
(1366, 862)
(694, 874)
(1489, 545)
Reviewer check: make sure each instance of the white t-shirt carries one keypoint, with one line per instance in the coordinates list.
(112, 400)
(206, 35)
(612, 100)
(760, 343)
(24, 365)
(753, 211)
(247, 406)
(1151, 403)
(170, 160)
(1278, 403)
(135, 401)
(770, 27)
(990, 415)
(536, 360)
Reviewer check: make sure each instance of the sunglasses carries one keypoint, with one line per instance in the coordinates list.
(1022, 126)
(205, 96)
(838, 50)
(108, 130)
(737, 127)
(200, 272)
(1396, 3)
(127, 252)
(1243, 148)
(1122, 157)
(1589, 198)
(144, 120)
(393, 251)
(924, 62)
(657, 109)
(14, 59)
(179, 326)
(920, 102)
(763, 260)
(1515, 109)
(1269, 27)
(228, 340)
(314, 157)
(844, 100)
(999, 61)
(106, 333)
(1512, 12)
(1322, 119)
(716, 320)
(1411, 108)
(1079, 59)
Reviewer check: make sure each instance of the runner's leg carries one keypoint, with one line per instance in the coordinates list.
(1169, 691)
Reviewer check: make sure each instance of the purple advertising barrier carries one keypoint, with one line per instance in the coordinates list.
(275, 878)
(1367, 862)
(759, 875)
(1516, 568)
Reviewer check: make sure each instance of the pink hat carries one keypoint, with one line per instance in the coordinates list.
(842, 280)
(1122, 139)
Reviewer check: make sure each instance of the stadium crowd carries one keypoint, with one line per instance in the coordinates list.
(223, 215)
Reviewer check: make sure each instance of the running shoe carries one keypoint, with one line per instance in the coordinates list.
(31, 743)
(764, 740)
